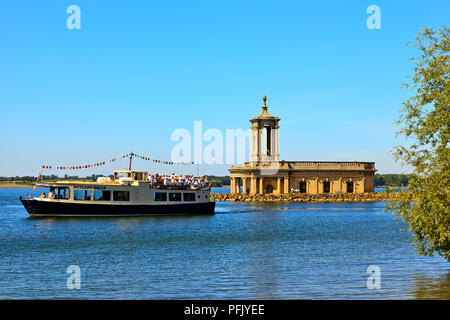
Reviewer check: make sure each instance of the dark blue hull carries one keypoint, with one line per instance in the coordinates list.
(48, 208)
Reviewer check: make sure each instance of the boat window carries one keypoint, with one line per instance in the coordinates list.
(174, 196)
(122, 175)
(102, 195)
(160, 196)
(138, 176)
(63, 193)
(82, 194)
(121, 195)
(189, 196)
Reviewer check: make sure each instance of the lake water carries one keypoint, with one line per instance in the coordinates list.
(245, 251)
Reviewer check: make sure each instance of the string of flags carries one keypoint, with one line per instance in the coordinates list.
(128, 155)
(180, 163)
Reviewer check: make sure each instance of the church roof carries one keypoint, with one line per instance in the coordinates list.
(264, 113)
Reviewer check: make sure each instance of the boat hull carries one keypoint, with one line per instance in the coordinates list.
(57, 208)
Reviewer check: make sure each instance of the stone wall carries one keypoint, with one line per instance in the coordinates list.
(300, 197)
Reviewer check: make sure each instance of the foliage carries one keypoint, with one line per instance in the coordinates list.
(26, 178)
(215, 181)
(395, 180)
(47, 178)
(424, 123)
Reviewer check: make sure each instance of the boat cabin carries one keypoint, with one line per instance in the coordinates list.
(130, 174)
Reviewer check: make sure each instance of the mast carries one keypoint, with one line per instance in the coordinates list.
(131, 159)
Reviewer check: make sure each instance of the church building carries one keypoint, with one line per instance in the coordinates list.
(265, 173)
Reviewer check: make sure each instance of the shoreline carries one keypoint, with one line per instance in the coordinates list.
(347, 197)
(15, 185)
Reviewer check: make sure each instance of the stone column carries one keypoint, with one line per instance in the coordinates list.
(253, 190)
(244, 185)
(278, 185)
(261, 185)
(238, 185)
(286, 185)
(262, 152)
(275, 144)
(255, 143)
(233, 185)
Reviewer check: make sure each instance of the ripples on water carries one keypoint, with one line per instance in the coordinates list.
(245, 251)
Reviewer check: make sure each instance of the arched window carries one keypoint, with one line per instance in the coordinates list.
(269, 189)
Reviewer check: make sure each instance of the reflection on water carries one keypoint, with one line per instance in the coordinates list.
(426, 287)
(264, 264)
(246, 251)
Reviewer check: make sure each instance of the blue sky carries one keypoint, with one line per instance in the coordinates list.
(138, 70)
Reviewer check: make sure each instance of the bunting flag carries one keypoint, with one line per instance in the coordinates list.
(163, 162)
(128, 155)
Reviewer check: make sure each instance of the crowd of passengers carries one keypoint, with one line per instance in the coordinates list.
(178, 180)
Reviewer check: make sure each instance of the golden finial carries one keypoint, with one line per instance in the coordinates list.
(264, 99)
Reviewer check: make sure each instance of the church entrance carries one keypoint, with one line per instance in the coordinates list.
(326, 187)
(269, 189)
(302, 188)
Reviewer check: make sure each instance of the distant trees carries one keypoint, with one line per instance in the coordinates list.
(395, 180)
(217, 181)
(50, 177)
(16, 178)
(43, 177)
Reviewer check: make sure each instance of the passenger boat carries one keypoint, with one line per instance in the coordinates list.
(129, 193)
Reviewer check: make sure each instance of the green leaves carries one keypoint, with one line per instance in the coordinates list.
(425, 121)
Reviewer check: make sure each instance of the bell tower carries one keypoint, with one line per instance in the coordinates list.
(264, 137)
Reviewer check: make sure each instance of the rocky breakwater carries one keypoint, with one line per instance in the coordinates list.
(301, 197)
